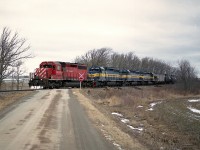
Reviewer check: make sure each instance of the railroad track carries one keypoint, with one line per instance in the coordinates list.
(29, 90)
(19, 90)
(136, 87)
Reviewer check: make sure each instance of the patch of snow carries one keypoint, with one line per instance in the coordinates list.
(194, 100)
(152, 105)
(140, 106)
(102, 130)
(108, 137)
(139, 129)
(118, 146)
(150, 109)
(124, 120)
(117, 114)
(194, 110)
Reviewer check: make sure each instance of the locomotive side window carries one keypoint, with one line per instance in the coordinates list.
(58, 68)
(94, 70)
(46, 66)
(82, 67)
(74, 66)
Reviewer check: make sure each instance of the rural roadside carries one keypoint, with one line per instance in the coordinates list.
(10, 100)
(138, 118)
(145, 117)
(107, 126)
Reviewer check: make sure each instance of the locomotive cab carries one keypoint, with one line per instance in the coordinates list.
(96, 73)
(50, 70)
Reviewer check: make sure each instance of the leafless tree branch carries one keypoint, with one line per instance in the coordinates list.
(12, 49)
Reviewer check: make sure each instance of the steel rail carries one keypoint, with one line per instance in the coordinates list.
(19, 90)
(136, 86)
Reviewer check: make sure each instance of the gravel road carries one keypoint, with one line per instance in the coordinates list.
(49, 120)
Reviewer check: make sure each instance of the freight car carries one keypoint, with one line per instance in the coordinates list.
(64, 74)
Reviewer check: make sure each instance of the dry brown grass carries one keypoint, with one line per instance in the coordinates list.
(163, 129)
(7, 98)
(108, 127)
(132, 96)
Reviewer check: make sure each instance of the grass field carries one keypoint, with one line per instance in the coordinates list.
(159, 117)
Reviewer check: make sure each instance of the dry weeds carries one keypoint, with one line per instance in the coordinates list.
(7, 98)
(108, 127)
(162, 129)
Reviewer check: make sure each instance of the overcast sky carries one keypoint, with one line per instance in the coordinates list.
(60, 30)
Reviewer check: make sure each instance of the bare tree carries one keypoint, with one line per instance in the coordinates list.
(18, 71)
(118, 61)
(114, 60)
(105, 57)
(99, 57)
(156, 66)
(12, 49)
(187, 75)
(125, 61)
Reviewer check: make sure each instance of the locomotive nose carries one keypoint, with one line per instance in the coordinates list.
(41, 73)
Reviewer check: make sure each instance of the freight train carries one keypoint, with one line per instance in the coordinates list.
(52, 74)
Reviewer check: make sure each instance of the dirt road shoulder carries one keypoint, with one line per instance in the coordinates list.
(10, 100)
(108, 127)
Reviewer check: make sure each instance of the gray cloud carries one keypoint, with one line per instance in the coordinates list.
(61, 30)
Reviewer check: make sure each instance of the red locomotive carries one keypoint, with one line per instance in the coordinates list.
(53, 74)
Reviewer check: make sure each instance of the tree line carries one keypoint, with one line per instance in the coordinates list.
(185, 73)
(107, 57)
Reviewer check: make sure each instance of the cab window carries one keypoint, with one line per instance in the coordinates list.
(46, 66)
(58, 68)
(82, 67)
